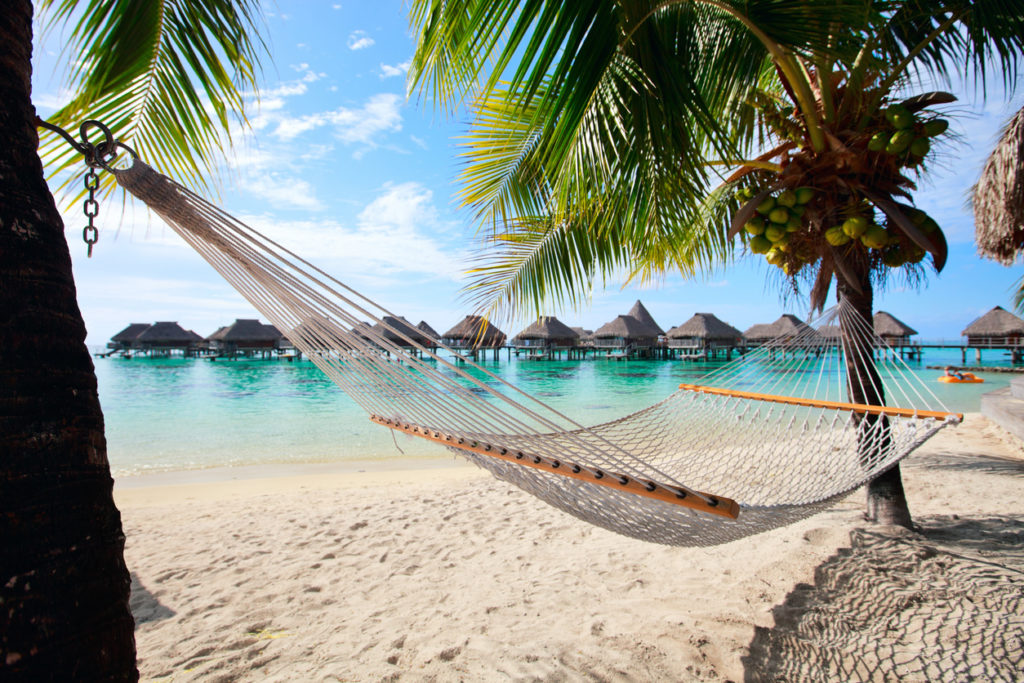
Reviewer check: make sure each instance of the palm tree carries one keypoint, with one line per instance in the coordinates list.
(165, 77)
(654, 136)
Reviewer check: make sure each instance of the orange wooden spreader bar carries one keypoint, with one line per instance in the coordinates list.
(718, 505)
(838, 405)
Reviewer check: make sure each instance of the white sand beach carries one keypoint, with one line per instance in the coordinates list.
(432, 570)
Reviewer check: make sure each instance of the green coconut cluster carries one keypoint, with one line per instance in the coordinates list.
(905, 134)
(860, 227)
(779, 216)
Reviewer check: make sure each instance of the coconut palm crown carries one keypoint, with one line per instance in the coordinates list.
(657, 136)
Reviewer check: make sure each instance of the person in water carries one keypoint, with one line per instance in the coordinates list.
(950, 372)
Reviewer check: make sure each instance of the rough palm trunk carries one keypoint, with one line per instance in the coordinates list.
(63, 582)
(886, 501)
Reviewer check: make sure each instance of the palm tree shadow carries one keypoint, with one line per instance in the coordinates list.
(145, 606)
(942, 604)
(985, 464)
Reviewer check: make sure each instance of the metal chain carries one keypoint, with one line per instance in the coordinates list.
(90, 234)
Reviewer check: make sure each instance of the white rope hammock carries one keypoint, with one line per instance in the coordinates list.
(760, 443)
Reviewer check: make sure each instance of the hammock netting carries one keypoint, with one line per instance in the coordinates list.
(763, 441)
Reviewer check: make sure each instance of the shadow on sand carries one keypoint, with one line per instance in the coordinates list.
(944, 604)
(145, 606)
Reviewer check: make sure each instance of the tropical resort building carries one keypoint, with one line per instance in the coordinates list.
(399, 332)
(787, 330)
(474, 335)
(625, 337)
(429, 335)
(586, 338)
(125, 339)
(166, 339)
(703, 336)
(997, 329)
(640, 312)
(546, 338)
(245, 337)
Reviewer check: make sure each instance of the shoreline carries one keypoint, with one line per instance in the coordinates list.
(247, 481)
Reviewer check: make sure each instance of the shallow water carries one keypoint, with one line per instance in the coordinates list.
(177, 414)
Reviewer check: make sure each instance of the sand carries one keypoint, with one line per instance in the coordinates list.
(431, 570)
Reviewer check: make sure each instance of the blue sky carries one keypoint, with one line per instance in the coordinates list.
(346, 170)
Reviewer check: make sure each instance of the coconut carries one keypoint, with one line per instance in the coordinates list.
(804, 194)
(855, 226)
(760, 244)
(766, 206)
(836, 237)
(875, 237)
(936, 127)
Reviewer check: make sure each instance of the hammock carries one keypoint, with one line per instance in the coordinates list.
(760, 443)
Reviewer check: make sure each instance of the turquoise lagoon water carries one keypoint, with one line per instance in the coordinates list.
(181, 414)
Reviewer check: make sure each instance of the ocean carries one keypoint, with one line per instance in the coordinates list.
(184, 414)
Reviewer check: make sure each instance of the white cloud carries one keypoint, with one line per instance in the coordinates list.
(358, 40)
(392, 239)
(281, 192)
(388, 71)
(380, 114)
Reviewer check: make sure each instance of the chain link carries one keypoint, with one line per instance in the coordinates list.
(91, 208)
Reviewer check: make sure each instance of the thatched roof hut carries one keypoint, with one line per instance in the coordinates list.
(788, 326)
(998, 197)
(546, 331)
(474, 332)
(247, 334)
(429, 333)
(704, 328)
(640, 313)
(126, 337)
(404, 330)
(995, 326)
(165, 335)
(625, 330)
(891, 329)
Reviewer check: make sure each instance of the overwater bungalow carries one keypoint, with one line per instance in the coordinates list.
(125, 339)
(586, 337)
(702, 336)
(892, 331)
(624, 337)
(165, 338)
(430, 335)
(399, 332)
(545, 338)
(640, 313)
(474, 334)
(245, 337)
(997, 329)
(788, 329)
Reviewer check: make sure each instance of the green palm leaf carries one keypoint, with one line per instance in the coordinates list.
(165, 77)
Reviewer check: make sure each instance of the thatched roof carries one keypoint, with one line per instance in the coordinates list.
(548, 328)
(998, 322)
(130, 333)
(219, 334)
(196, 337)
(831, 332)
(886, 325)
(640, 313)
(627, 327)
(468, 331)
(582, 333)
(247, 330)
(704, 326)
(165, 334)
(430, 333)
(998, 198)
(401, 325)
(787, 325)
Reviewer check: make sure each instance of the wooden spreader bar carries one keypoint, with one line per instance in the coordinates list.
(724, 507)
(814, 403)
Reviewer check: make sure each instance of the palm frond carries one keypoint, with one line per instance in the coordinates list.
(165, 77)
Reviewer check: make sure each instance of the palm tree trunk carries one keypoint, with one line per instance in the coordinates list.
(64, 585)
(886, 501)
